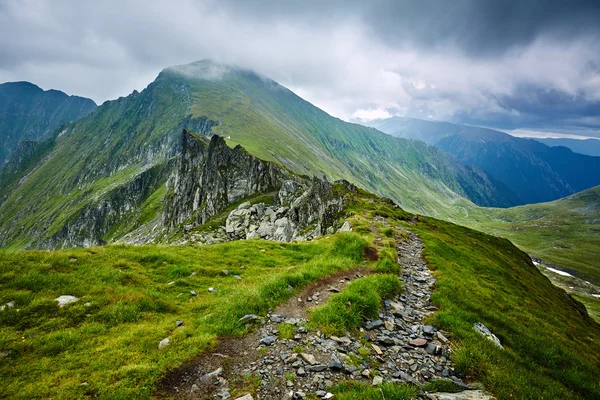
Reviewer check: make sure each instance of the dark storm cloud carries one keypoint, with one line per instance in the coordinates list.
(527, 64)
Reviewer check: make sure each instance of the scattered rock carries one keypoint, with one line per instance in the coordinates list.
(246, 397)
(73, 259)
(164, 343)
(225, 272)
(268, 340)
(179, 323)
(193, 293)
(65, 299)
(211, 375)
(389, 325)
(378, 380)
(377, 349)
(373, 324)
(309, 358)
(482, 329)
(249, 318)
(418, 342)
(212, 289)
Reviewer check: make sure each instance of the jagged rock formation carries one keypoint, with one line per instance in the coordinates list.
(211, 176)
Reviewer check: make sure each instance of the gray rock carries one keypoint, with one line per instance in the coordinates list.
(483, 330)
(309, 358)
(179, 323)
(164, 343)
(346, 227)
(373, 324)
(212, 289)
(466, 395)
(249, 318)
(378, 380)
(64, 300)
(225, 272)
(317, 368)
(245, 397)
(211, 375)
(268, 340)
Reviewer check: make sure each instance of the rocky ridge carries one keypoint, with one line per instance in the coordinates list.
(397, 347)
(211, 177)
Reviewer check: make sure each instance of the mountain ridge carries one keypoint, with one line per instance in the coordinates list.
(533, 171)
(125, 137)
(29, 112)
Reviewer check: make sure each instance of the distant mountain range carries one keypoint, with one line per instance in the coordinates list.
(28, 112)
(590, 147)
(533, 171)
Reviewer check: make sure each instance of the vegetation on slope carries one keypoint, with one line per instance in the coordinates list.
(112, 146)
(130, 299)
(136, 294)
(550, 343)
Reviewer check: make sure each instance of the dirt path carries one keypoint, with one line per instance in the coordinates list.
(398, 347)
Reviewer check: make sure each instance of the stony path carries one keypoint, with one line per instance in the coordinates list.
(397, 347)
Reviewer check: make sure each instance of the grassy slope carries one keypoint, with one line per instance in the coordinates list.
(551, 348)
(565, 232)
(274, 124)
(114, 349)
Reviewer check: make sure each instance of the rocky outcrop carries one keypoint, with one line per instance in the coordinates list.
(305, 211)
(211, 177)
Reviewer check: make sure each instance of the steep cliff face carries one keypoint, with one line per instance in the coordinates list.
(282, 206)
(212, 176)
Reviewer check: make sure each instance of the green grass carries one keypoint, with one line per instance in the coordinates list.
(551, 348)
(564, 232)
(112, 344)
(356, 391)
(286, 331)
(359, 300)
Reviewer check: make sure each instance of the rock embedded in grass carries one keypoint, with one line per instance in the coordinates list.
(249, 318)
(66, 299)
(163, 343)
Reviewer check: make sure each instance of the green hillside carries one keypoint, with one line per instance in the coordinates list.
(565, 232)
(93, 166)
(105, 345)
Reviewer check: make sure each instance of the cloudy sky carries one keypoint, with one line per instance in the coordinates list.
(529, 66)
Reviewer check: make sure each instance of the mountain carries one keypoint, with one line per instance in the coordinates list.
(533, 171)
(590, 147)
(28, 112)
(111, 165)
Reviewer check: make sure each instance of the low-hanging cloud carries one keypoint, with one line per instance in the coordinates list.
(510, 64)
